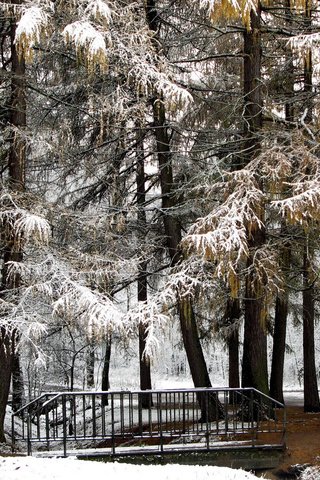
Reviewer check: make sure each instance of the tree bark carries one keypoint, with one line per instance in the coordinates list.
(172, 229)
(232, 317)
(6, 365)
(18, 392)
(90, 361)
(105, 383)
(12, 251)
(254, 365)
(252, 87)
(311, 394)
(144, 363)
(279, 345)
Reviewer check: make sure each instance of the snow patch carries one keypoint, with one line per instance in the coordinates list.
(29, 468)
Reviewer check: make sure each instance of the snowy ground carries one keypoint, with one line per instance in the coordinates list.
(28, 468)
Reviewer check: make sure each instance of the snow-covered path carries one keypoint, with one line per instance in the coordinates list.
(28, 468)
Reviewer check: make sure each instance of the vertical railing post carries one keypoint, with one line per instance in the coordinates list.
(94, 423)
(29, 433)
(103, 416)
(207, 418)
(226, 403)
(64, 419)
(140, 400)
(252, 415)
(184, 423)
(159, 402)
(113, 446)
(47, 430)
(13, 437)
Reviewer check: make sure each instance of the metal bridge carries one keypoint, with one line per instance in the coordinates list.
(155, 422)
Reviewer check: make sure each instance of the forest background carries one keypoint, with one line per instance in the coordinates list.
(159, 173)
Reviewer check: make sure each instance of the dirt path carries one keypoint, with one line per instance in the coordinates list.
(302, 439)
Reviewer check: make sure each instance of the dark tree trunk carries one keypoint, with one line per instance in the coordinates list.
(12, 251)
(254, 365)
(189, 329)
(252, 87)
(311, 394)
(6, 365)
(233, 350)
(279, 332)
(144, 363)
(308, 67)
(172, 229)
(18, 392)
(279, 345)
(289, 79)
(281, 308)
(105, 383)
(90, 360)
(232, 317)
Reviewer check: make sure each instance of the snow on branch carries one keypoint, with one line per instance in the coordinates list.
(153, 317)
(303, 205)
(223, 235)
(302, 44)
(266, 274)
(231, 9)
(274, 167)
(24, 226)
(90, 43)
(30, 226)
(174, 95)
(99, 10)
(149, 79)
(30, 29)
(96, 311)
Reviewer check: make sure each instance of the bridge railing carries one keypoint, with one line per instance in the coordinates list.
(159, 421)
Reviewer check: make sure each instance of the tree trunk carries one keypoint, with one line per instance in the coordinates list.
(279, 345)
(233, 351)
(252, 87)
(90, 361)
(311, 394)
(12, 251)
(144, 363)
(6, 365)
(105, 384)
(18, 393)
(279, 334)
(308, 68)
(172, 229)
(232, 317)
(254, 365)
(281, 308)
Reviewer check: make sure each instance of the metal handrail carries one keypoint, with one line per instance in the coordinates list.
(71, 418)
